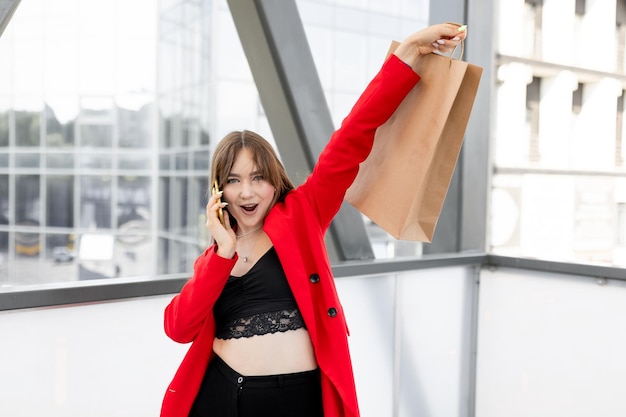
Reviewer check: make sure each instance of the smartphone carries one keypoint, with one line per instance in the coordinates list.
(220, 212)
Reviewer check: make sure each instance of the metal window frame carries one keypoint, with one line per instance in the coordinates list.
(273, 39)
(117, 289)
(7, 9)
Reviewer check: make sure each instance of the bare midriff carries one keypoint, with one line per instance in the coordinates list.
(268, 354)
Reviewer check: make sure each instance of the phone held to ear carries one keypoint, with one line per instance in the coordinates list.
(220, 212)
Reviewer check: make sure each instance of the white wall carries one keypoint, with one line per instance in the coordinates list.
(108, 359)
(550, 345)
(113, 359)
(410, 341)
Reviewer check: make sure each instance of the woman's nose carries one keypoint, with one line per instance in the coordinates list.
(246, 188)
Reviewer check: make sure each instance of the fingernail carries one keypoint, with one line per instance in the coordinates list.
(456, 38)
(462, 28)
(435, 45)
(224, 204)
(440, 41)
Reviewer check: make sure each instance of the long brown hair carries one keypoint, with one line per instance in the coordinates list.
(264, 158)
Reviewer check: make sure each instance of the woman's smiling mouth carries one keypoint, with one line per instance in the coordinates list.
(249, 208)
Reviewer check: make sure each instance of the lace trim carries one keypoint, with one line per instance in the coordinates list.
(262, 323)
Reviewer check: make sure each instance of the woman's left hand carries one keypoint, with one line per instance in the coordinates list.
(443, 37)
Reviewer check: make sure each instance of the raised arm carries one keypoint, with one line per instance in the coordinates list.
(350, 145)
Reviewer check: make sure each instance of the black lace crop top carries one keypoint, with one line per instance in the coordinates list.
(257, 303)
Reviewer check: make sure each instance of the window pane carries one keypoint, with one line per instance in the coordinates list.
(27, 269)
(198, 206)
(163, 259)
(182, 161)
(27, 128)
(4, 127)
(95, 161)
(166, 123)
(99, 136)
(621, 225)
(182, 205)
(60, 161)
(558, 217)
(136, 162)
(133, 199)
(75, 100)
(4, 249)
(201, 161)
(164, 162)
(62, 252)
(27, 199)
(96, 256)
(95, 202)
(134, 131)
(27, 160)
(134, 239)
(57, 133)
(27, 242)
(60, 205)
(4, 216)
(164, 204)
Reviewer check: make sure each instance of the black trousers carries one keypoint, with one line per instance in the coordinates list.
(226, 393)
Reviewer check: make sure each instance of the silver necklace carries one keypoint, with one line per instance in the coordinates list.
(245, 258)
(249, 233)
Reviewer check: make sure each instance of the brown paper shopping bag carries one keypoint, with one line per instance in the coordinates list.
(403, 183)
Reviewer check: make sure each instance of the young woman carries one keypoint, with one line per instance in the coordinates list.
(268, 333)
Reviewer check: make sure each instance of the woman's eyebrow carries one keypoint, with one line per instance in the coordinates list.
(252, 174)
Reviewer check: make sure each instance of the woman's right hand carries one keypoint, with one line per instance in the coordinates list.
(223, 234)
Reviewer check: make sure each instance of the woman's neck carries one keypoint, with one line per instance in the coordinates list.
(248, 233)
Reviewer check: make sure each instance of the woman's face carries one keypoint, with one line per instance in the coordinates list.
(248, 194)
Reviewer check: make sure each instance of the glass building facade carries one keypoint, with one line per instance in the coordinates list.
(77, 149)
(108, 114)
(559, 178)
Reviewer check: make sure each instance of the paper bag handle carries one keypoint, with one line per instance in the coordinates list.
(451, 54)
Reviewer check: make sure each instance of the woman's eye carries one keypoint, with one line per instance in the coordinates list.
(231, 180)
(258, 178)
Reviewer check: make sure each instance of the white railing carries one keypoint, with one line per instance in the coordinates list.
(446, 338)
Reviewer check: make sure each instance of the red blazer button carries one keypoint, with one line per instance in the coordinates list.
(332, 312)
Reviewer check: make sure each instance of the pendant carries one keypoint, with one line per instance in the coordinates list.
(245, 259)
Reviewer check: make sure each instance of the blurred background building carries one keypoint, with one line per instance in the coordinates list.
(559, 177)
(109, 111)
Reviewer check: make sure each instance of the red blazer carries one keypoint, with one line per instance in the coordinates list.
(296, 227)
